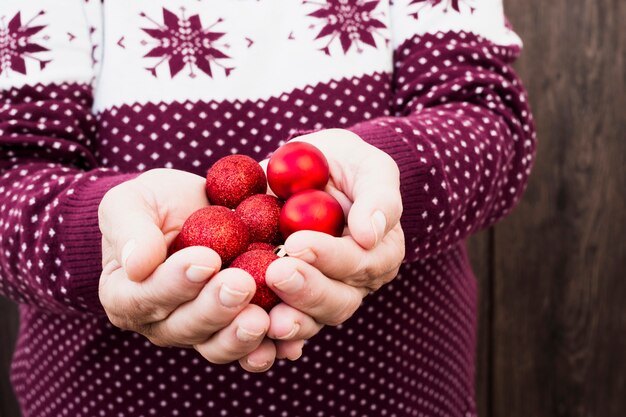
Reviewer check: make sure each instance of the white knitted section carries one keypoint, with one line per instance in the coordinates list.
(252, 50)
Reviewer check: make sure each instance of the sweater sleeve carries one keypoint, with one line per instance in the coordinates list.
(461, 130)
(50, 180)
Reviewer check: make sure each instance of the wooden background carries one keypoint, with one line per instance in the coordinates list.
(553, 280)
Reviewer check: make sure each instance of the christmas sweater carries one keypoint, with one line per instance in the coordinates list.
(94, 92)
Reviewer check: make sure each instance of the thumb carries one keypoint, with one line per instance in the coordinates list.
(377, 205)
(130, 225)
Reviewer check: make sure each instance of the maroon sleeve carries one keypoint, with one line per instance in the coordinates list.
(50, 189)
(462, 135)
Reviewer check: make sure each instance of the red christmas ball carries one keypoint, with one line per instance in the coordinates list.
(255, 263)
(261, 246)
(297, 166)
(312, 210)
(234, 178)
(260, 213)
(218, 228)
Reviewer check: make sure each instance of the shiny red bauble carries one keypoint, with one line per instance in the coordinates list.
(312, 210)
(297, 166)
(218, 228)
(234, 178)
(255, 262)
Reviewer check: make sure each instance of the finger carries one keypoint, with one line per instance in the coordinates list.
(288, 323)
(305, 288)
(129, 223)
(179, 279)
(377, 206)
(289, 349)
(261, 359)
(368, 176)
(343, 259)
(238, 339)
(217, 305)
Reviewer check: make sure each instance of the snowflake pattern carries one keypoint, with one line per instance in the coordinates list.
(448, 4)
(183, 41)
(18, 42)
(352, 22)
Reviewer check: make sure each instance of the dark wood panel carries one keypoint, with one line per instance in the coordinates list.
(480, 250)
(8, 333)
(559, 288)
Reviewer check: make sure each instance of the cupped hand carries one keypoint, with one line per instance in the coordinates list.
(183, 300)
(324, 279)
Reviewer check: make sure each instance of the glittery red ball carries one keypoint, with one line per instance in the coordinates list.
(261, 213)
(218, 228)
(260, 246)
(255, 263)
(297, 166)
(312, 210)
(234, 178)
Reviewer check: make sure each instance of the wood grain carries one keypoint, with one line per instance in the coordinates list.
(480, 249)
(559, 289)
(8, 333)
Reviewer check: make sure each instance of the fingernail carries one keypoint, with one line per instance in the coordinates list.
(256, 365)
(199, 273)
(128, 248)
(230, 297)
(291, 284)
(307, 255)
(247, 336)
(379, 223)
(292, 333)
(295, 358)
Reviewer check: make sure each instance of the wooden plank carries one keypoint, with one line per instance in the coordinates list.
(8, 333)
(480, 253)
(559, 288)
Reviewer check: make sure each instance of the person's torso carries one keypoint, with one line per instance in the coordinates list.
(182, 84)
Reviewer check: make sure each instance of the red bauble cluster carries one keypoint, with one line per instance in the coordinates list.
(297, 172)
(244, 225)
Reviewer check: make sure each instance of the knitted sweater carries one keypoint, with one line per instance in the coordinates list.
(93, 92)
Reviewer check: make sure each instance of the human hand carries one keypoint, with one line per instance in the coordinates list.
(324, 279)
(183, 300)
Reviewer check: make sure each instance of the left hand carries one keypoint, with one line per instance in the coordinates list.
(324, 279)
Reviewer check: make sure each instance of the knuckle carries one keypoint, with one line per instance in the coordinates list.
(212, 355)
(157, 341)
(345, 310)
(156, 335)
(118, 321)
(143, 306)
(314, 297)
(211, 320)
(391, 165)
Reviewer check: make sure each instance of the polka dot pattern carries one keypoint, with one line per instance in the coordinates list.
(454, 117)
(407, 352)
(193, 135)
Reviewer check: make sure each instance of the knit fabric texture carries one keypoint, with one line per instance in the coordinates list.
(94, 92)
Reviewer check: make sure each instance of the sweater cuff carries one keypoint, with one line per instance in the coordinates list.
(81, 236)
(414, 174)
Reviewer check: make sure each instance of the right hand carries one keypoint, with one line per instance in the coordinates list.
(169, 300)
